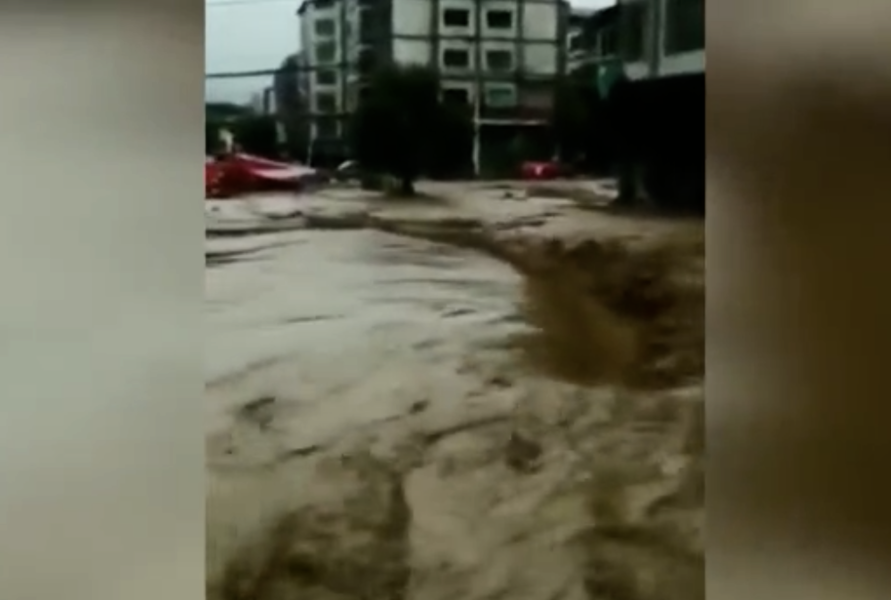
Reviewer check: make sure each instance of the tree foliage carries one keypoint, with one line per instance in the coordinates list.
(211, 137)
(583, 126)
(220, 111)
(257, 134)
(401, 127)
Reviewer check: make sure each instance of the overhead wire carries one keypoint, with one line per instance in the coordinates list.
(250, 73)
(227, 3)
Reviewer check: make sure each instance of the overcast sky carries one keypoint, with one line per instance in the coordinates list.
(246, 35)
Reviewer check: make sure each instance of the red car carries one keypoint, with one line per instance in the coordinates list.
(242, 173)
(538, 170)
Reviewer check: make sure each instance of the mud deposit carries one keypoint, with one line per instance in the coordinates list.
(508, 415)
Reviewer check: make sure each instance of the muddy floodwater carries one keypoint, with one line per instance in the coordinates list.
(344, 328)
(384, 423)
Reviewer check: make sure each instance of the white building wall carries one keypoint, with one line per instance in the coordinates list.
(541, 59)
(412, 52)
(310, 41)
(541, 21)
(490, 45)
(685, 63)
(411, 17)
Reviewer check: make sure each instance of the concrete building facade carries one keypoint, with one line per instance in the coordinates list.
(663, 38)
(498, 56)
(662, 105)
(594, 51)
(575, 25)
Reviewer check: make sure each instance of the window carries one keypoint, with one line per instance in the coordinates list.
(456, 58)
(326, 77)
(499, 19)
(324, 27)
(456, 96)
(326, 102)
(499, 60)
(501, 96)
(326, 52)
(456, 17)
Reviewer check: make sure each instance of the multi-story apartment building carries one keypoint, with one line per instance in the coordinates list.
(323, 67)
(575, 25)
(594, 48)
(663, 38)
(498, 56)
(663, 103)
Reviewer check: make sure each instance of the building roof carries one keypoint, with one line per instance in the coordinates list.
(305, 4)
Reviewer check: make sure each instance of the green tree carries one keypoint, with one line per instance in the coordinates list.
(401, 128)
(584, 125)
(258, 135)
(452, 151)
(569, 122)
(211, 137)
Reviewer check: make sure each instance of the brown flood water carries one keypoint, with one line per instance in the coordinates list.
(391, 418)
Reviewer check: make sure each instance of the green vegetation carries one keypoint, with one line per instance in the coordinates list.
(221, 111)
(255, 134)
(402, 128)
(258, 134)
(585, 122)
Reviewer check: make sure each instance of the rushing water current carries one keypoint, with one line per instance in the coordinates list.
(371, 436)
(318, 311)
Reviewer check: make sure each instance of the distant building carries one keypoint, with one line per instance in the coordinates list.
(500, 55)
(289, 86)
(263, 102)
(575, 24)
(322, 32)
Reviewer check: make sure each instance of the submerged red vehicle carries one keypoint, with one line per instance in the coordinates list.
(239, 173)
(542, 170)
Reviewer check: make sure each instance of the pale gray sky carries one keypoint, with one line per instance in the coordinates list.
(246, 35)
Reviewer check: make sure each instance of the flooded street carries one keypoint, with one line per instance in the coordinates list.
(355, 325)
(393, 418)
